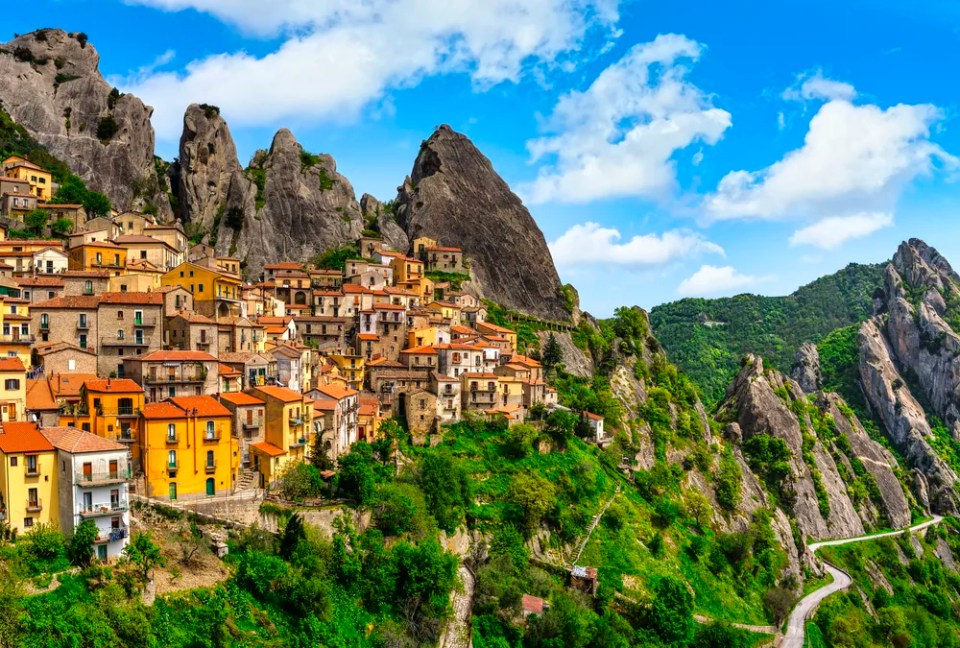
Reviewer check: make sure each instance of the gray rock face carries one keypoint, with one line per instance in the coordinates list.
(806, 368)
(454, 195)
(393, 235)
(50, 83)
(308, 207)
(210, 178)
(875, 458)
(902, 416)
(761, 411)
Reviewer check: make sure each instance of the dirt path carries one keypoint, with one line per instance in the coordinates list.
(841, 580)
(457, 634)
(759, 629)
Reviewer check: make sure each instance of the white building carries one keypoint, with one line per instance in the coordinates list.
(93, 484)
(345, 414)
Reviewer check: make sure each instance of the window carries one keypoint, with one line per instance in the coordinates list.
(32, 466)
(211, 431)
(28, 522)
(210, 460)
(11, 384)
(83, 340)
(120, 315)
(171, 432)
(99, 257)
(13, 462)
(172, 459)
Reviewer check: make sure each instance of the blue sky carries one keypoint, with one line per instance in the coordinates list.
(665, 149)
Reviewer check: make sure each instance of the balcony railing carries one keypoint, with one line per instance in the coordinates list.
(171, 465)
(82, 410)
(126, 437)
(210, 468)
(18, 338)
(33, 472)
(296, 420)
(109, 508)
(166, 380)
(212, 436)
(122, 474)
(112, 536)
(172, 438)
(147, 322)
(299, 443)
(34, 506)
(83, 325)
(44, 325)
(113, 340)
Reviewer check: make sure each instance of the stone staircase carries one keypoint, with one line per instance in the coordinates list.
(248, 480)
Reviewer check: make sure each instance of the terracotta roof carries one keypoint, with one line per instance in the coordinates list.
(11, 364)
(75, 441)
(327, 293)
(67, 385)
(439, 377)
(121, 385)
(175, 356)
(368, 337)
(268, 449)
(494, 327)
(325, 405)
(241, 398)
(194, 318)
(283, 265)
(242, 357)
(61, 345)
(281, 393)
(41, 280)
(479, 374)
(336, 391)
(381, 363)
(139, 238)
(20, 437)
(70, 301)
(420, 350)
(592, 416)
(444, 249)
(204, 405)
(39, 395)
(464, 330)
(227, 370)
(149, 298)
(377, 306)
(164, 410)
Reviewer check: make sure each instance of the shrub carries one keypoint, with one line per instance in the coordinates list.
(107, 127)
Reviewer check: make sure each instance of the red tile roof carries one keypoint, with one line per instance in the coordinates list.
(149, 298)
(75, 441)
(21, 437)
(203, 405)
(164, 410)
(241, 398)
(176, 356)
(337, 392)
(268, 449)
(11, 364)
(280, 393)
(118, 385)
(420, 350)
(70, 301)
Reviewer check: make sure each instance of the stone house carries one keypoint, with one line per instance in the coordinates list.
(189, 331)
(85, 282)
(41, 287)
(64, 356)
(479, 391)
(420, 408)
(448, 392)
(169, 374)
(444, 259)
(346, 415)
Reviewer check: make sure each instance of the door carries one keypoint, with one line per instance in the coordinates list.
(102, 552)
(173, 490)
(88, 501)
(87, 472)
(211, 487)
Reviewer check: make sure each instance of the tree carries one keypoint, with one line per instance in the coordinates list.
(561, 424)
(80, 548)
(36, 220)
(356, 479)
(552, 353)
(672, 611)
(336, 258)
(293, 534)
(779, 601)
(399, 509)
(11, 605)
(446, 488)
(96, 204)
(698, 507)
(61, 226)
(533, 495)
(144, 554)
(300, 480)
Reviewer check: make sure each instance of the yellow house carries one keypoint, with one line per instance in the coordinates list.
(16, 339)
(98, 255)
(188, 448)
(351, 369)
(13, 382)
(426, 336)
(406, 269)
(28, 477)
(41, 181)
(492, 329)
(421, 245)
(110, 409)
(139, 276)
(288, 433)
(215, 293)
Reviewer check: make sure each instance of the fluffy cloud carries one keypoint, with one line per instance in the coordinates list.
(591, 243)
(854, 159)
(339, 56)
(617, 138)
(830, 233)
(711, 280)
(815, 86)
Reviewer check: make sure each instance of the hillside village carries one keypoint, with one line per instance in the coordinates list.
(136, 362)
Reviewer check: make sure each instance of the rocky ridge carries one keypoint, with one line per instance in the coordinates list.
(50, 84)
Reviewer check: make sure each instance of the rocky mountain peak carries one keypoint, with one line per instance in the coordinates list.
(806, 368)
(455, 196)
(51, 85)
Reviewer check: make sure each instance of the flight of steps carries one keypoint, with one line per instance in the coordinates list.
(248, 480)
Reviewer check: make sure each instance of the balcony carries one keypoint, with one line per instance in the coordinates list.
(295, 421)
(211, 436)
(18, 338)
(88, 291)
(111, 508)
(168, 379)
(112, 536)
(146, 322)
(114, 341)
(210, 468)
(299, 443)
(114, 411)
(32, 472)
(34, 506)
(44, 325)
(89, 480)
(126, 437)
(173, 438)
(172, 466)
(83, 325)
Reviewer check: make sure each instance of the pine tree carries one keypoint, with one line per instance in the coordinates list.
(552, 353)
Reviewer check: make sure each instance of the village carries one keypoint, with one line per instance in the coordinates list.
(137, 364)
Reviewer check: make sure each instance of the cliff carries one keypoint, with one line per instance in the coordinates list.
(50, 83)
(455, 196)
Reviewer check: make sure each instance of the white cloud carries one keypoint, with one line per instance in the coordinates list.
(830, 233)
(591, 243)
(713, 280)
(815, 86)
(617, 138)
(854, 159)
(339, 56)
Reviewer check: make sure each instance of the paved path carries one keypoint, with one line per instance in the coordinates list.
(759, 629)
(841, 580)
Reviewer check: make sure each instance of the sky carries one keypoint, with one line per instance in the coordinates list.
(666, 150)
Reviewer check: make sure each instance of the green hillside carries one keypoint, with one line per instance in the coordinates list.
(706, 338)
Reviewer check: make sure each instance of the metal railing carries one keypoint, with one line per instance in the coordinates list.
(112, 536)
(110, 508)
(148, 322)
(157, 379)
(121, 474)
(21, 338)
(210, 468)
(34, 506)
(112, 340)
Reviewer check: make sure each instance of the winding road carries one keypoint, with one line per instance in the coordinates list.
(841, 580)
